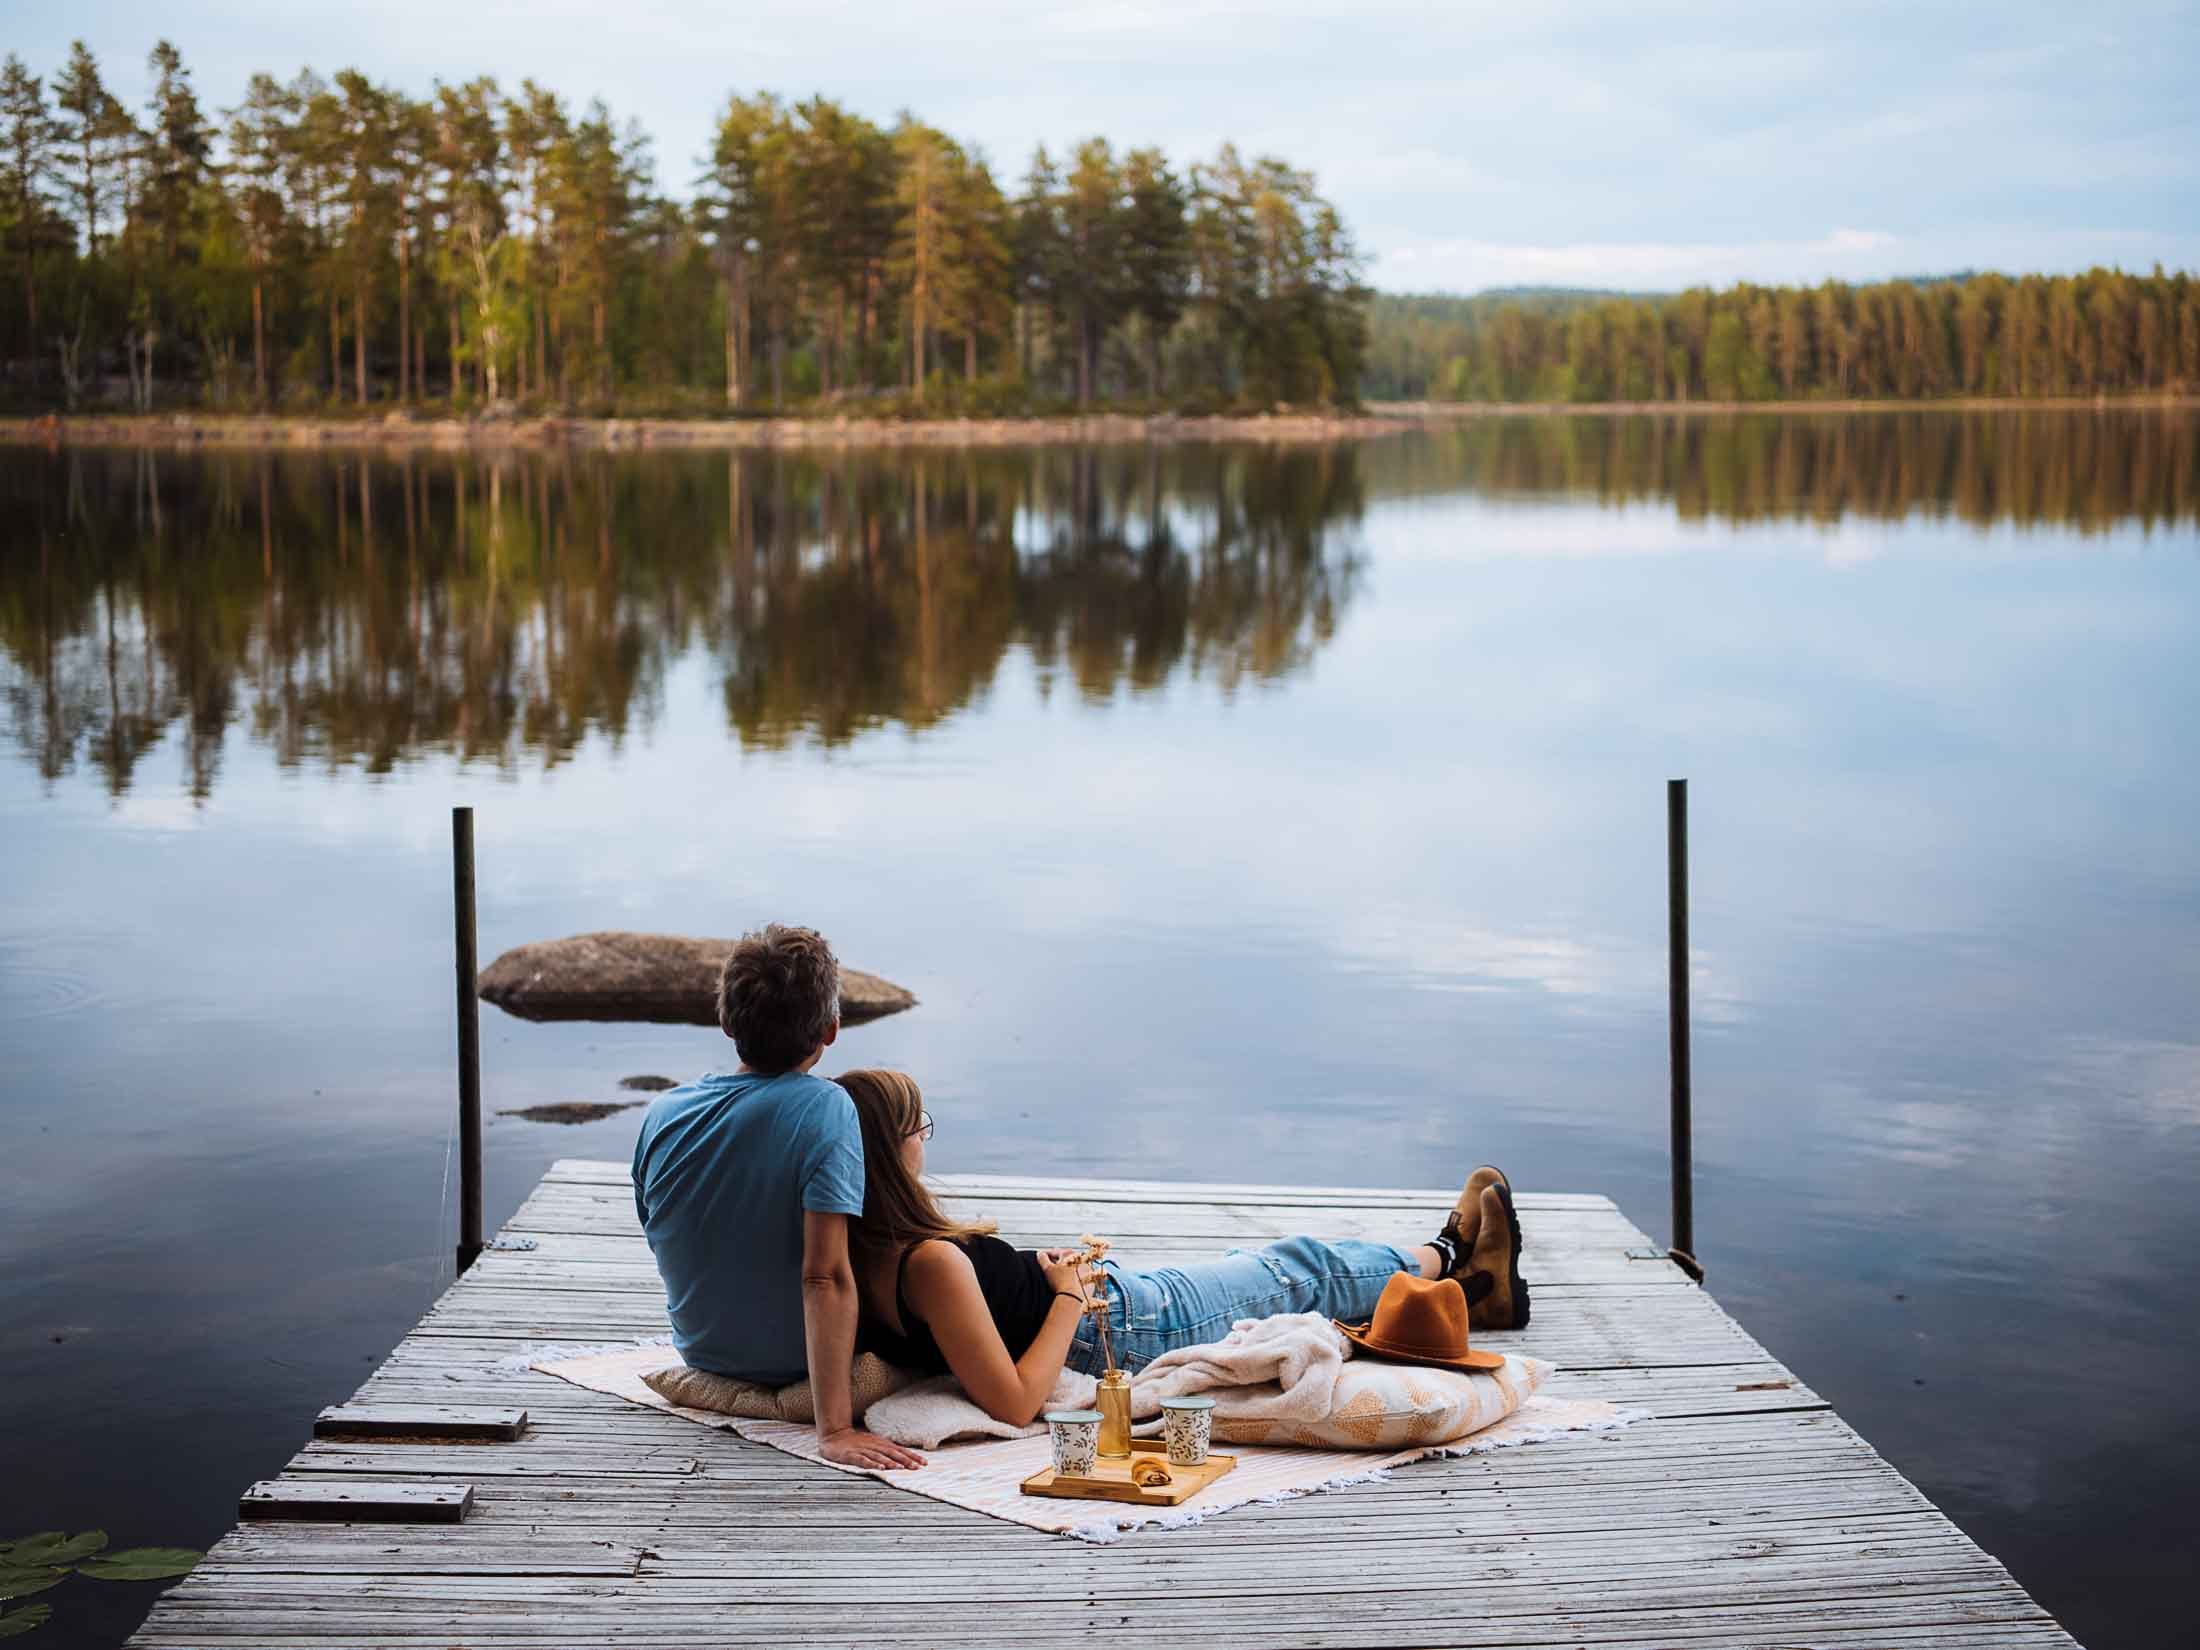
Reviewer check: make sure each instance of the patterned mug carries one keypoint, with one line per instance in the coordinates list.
(1076, 1437)
(1189, 1424)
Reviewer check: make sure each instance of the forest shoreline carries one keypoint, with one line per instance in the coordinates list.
(626, 434)
(630, 434)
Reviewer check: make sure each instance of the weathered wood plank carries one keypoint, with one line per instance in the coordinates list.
(352, 1501)
(402, 1420)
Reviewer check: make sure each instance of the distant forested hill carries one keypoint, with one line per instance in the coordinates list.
(2103, 332)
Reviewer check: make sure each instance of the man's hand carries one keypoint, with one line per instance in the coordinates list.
(853, 1447)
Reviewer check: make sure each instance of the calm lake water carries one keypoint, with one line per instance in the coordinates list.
(1237, 813)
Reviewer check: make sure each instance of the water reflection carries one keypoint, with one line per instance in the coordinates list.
(351, 609)
(2091, 470)
(356, 609)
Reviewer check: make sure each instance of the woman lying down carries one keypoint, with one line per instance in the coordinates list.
(944, 1297)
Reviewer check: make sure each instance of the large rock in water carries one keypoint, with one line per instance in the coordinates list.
(660, 977)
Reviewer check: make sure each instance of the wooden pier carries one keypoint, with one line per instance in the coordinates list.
(1746, 1513)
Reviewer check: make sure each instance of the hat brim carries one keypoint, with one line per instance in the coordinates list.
(1470, 1362)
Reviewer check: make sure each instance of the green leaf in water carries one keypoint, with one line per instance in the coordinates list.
(22, 1621)
(20, 1581)
(142, 1564)
(7, 1548)
(53, 1547)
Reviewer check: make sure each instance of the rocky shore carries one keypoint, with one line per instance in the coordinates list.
(490, 431)
(405, 430)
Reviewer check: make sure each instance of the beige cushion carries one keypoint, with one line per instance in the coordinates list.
(1381, 1405)
(871, 1379)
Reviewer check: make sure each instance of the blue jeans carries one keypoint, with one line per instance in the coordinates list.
(1150, 1313)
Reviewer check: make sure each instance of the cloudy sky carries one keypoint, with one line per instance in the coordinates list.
(1610, 143)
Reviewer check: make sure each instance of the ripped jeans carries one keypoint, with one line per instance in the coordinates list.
(1157, 1311)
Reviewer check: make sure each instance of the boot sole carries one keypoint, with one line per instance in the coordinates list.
(1516, 1285)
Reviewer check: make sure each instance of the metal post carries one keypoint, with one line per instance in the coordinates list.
(469, 1041)
(1683, 1248)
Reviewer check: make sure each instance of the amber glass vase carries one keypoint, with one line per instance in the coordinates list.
(1113, 1401)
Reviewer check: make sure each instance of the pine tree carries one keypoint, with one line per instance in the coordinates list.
(179, 150)
(1092, 281)
(29, 141)
(1157, 248)
(749, 208)
(536, 128)
(91, 118)
(259, 130)
(1040, 252)
(980, 265)
(922, 199)
(596, 175)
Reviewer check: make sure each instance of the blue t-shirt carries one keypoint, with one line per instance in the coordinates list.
(723, 1170)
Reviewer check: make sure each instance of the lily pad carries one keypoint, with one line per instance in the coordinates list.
(142, 1564)
(52, 1547)
(23, 1620)
(7, 1547)
(22, 1581)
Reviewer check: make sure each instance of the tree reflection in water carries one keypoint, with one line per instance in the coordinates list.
(361, 609)
(355, 609)
(2088, 470)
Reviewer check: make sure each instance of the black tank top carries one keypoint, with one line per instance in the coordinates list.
(1016, 1293)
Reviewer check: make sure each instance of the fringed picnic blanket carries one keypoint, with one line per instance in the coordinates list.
(984, 1476)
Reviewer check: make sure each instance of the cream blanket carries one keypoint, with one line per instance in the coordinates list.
(984, 1476)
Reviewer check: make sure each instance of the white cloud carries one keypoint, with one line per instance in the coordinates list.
(1469, 265)
(1858, 240)
(1847, 254)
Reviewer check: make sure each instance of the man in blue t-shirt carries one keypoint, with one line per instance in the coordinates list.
(745, 1183)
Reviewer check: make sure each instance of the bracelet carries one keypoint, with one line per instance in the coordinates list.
(1064, 1294)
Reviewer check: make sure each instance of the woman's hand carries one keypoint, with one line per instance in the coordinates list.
(1065, 1271)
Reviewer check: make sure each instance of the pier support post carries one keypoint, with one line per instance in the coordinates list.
(469, 1040)
(1683, 1247)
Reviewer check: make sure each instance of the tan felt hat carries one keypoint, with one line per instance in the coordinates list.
(1421, 1321)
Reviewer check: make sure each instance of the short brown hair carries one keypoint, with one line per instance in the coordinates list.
(779, 996)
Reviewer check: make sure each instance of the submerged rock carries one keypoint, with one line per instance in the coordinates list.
(665, 978)
(648, 1084)
(571, 1111)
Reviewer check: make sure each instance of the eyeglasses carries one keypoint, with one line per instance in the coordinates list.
(923, 1130)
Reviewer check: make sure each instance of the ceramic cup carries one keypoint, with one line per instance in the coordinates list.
(1189, 1424)
(1076, 1436)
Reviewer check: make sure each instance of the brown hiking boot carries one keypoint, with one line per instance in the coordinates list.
(1497, 1256)
(1465, 1220)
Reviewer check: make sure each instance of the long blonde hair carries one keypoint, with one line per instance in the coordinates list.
(898, 1211)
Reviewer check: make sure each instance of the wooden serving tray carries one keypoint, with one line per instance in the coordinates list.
(1111, 1479)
